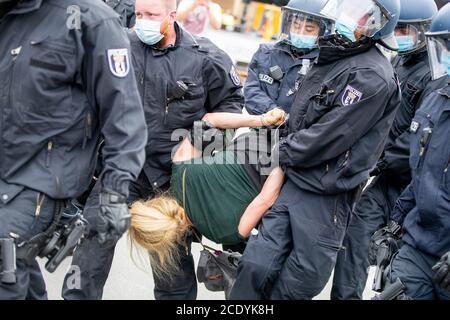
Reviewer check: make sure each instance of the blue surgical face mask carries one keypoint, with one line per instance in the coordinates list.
(303, 41)
(347, 30)
(148, 31)
(405, 43)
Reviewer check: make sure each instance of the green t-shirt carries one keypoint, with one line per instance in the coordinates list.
(217, 191)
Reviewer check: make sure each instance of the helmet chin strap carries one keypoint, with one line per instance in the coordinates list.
(299, 52)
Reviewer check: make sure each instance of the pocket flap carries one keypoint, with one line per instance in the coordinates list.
(9, 191)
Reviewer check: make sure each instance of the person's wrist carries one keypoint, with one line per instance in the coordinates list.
(263, 120)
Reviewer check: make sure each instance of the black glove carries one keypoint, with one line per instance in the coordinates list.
(389, 235)
(114, 218)
(442, 272)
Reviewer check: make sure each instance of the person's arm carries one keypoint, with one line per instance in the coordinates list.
(185, 8)
(405, 203)
(257, 101)
(225, 120)
(119, 105)
(340, 128)
(263, 202)
(215, 15)
(222, 82)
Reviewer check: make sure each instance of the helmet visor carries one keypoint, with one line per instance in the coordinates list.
(410, 37)
(363, 17)
(439, 55)
(297, 24)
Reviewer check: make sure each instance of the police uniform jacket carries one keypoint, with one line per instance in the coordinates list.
(262, 91)
(213, 86)
(65, 80)
(424, 206)
(340, 118)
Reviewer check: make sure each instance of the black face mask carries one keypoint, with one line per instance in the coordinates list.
(6, 6)
(335, 47)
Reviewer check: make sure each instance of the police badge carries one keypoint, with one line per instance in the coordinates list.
(351, 96)
(119, 62)
(235, 76)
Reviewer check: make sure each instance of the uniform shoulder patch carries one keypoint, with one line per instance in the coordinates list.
(235, 76)
(351, 96)
(119, 62)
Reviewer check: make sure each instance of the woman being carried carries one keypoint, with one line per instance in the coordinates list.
(223, 196)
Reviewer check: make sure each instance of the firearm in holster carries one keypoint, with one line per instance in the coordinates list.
(59, 241)
(7, 261)
(386, 251)
(393, 292)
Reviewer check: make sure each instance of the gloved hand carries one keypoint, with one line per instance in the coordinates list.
(442, 272)
(274, 117)
(391, 235)
(114, 218)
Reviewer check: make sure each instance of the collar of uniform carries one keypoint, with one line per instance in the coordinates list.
(334, 47)
(283, 46)
(415, 57)
(26, 6)
(183, 38)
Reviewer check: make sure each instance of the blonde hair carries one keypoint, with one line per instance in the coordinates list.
(158, 226)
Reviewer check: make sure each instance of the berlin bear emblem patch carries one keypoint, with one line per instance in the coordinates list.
(351, 96)
(119, 62)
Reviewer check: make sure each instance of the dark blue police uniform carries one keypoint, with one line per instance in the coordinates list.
(213, 86)
(263, 91)
(338, 127)
(424, 206)
(65, 79)
(125, 9)
(374, 208)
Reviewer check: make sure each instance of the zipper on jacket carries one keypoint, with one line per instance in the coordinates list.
(49, 151)
(347, 155)
(14, 53)
(444, 175)
(335, 213)
(88, 130)
(166, 112)
(39, 202)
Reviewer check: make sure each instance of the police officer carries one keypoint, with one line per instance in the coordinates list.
(180, 79)
(393, 173)
(338, 126)
(276, 70)
(125, 9)
(79, 84)
(423, 208)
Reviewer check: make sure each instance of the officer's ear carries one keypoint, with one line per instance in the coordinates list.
(172, 17)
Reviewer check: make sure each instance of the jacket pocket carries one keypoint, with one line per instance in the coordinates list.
(50, 68)
(184, 111)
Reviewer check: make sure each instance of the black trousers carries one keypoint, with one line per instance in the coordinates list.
(18, 215)
(371, 214)
(296, 248)
(95, 261)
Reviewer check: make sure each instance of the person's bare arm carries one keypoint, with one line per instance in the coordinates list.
(215, 15)
(224, 120)
(185, 8)
(263, 202)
